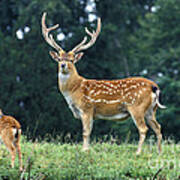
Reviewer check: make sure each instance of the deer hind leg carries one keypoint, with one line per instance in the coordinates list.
(138, 119)
(87, 123)
(18, 148)
(156, 127)
(8, 138)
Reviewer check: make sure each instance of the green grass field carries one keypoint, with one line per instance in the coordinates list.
(53, 160)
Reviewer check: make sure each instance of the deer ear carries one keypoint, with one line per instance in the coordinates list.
(78, 57)
(54, 55)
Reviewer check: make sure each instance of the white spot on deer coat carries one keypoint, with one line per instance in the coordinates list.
(133, 86)
(14, 130)
(92, 91)
(116, 116)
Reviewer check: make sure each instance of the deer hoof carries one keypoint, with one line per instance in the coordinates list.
(84, 149)
(138, 153)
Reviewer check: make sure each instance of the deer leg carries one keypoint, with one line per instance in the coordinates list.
(19, 156)
(10, 146)
(142, 134)
(18, 148)
(87, 123)
(156, 127)
(138, 119)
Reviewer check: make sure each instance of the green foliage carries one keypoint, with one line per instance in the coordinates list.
(108, 160)
(29, 76)
(157, 50)
(133, 39)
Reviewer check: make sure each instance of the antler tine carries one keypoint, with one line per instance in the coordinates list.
(93, 35)
(80, 44)
(49, 38)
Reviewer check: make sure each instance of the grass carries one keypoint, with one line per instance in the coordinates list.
(53, 160)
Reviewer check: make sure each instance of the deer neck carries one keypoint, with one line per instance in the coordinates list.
(69, 83)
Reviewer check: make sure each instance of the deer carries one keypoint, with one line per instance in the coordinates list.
(10, 133)
(91, 99)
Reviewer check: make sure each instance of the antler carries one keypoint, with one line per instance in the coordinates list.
(49, 38)
(82, 46)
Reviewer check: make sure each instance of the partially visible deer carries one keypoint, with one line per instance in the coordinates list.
(10, 133)
(91, 99)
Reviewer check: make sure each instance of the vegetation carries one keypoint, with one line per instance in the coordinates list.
(138, 38)
(105, 160)
(141, 41)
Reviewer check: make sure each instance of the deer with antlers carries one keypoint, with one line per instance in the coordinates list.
(91, 99)
(10, 133)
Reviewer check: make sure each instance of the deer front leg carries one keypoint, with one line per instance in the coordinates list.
(87, 122)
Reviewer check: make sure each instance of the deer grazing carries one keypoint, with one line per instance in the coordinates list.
(10, 133)
(91, 99)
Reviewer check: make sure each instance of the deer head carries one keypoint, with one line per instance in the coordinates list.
(66, 60)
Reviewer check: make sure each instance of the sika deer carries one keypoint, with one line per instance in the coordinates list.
(10, 133)
(91, 99)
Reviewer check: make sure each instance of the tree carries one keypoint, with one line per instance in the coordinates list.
(28, 75)
(132, 42)
(157, 50)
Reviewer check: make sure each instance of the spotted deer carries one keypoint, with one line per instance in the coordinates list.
(10, 133)
(91, 99)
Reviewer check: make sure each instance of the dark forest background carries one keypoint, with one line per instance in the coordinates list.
(138, 38)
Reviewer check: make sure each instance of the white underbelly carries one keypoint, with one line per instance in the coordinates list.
(113, 117)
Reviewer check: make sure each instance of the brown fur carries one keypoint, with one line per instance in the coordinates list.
(104, 99)
(8, 125)
(95, 99)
